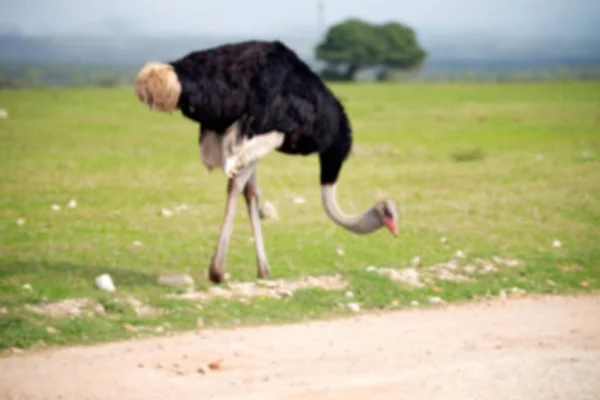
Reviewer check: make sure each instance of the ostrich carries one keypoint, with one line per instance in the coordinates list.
(249, 99)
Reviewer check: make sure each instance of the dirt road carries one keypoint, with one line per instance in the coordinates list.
(525, 349)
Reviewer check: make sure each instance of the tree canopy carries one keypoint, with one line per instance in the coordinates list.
(354, 44)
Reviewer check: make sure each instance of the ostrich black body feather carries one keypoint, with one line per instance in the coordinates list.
(267, 87)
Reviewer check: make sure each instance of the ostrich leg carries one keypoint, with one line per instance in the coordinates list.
(235, 187)
(252, 197)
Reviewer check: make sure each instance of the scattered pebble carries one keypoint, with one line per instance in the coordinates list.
(17, 350)
(130, 328)
(371, 268)
(285, 293)
(349, 294)
(406, 275)
(509, 262)
(444, 239)
(177, 280)
(353, 307)
(105, 282)
(72, 203)
(435, 300)
(459, 254)
(26, 286)
(502, 294)
(200, 323)
(3, 310)
(3, 113)
(556, 243)
(299, 200)
(203, 370)
(414, 303)
(165, 212)
(51, 330)
(415, 262)
(517, 291)
(55, 207)
(215, 364)
(268, 211)
(99, 309)
(137, 243)
(20, 221)
(340, 251)
(584, 284)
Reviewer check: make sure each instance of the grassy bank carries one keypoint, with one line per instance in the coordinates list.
(491, 170)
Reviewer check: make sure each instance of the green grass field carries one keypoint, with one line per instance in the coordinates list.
(495, 169)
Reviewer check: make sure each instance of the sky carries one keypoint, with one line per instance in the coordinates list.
(263, 18)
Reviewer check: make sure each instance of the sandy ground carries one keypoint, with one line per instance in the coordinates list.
(534, 348)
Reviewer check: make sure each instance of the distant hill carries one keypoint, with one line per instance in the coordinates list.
(455, 51)
(111, 60)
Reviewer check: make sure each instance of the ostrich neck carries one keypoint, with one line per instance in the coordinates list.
(366, 222)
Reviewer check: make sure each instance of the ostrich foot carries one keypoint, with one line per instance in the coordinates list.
(263, 270)
(216, 274)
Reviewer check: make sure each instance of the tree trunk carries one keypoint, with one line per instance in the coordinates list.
(351, 72)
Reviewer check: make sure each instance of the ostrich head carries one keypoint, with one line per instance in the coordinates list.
(157, 86)
(388, 212)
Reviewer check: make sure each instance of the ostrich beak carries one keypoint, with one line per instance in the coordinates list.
(391, 225)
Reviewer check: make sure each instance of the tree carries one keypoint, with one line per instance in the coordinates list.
(354, 44)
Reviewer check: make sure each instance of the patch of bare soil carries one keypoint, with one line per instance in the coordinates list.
(456, 269)
(268, 288)
(63, 308)
(84, 306)
(534, 348)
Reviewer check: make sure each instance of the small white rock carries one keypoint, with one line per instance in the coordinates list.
(21, 221)
(165, 212)
(371, 268)
(502, 294)
(444, 240)
(55, 207)
(26, 286)
(556, 243)
(353, 307)
(3, 113)
(435, 300)
(285, 293)
(137, 243)
(176, 280)
(105, 282)
(509, 262)
(299, 200)
(268, 211)
(415, 262)
(459, 254)
(414, 303)
(349, 294)
(340, 251)
(72, 203)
